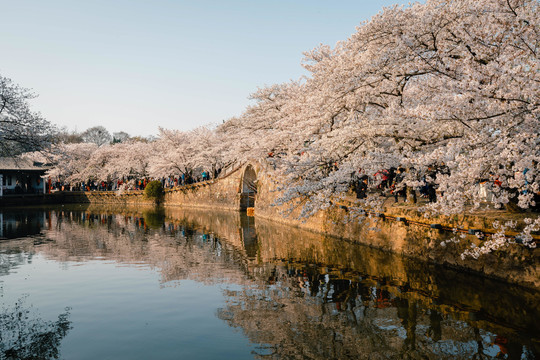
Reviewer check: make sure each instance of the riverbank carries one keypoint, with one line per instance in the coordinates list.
(402, 229)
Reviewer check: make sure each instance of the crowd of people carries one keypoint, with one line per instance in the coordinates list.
(131, 183)
(391, 182)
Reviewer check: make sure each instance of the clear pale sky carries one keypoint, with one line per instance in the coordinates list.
(134, 65)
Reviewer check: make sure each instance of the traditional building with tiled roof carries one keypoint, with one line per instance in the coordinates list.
(21, 176)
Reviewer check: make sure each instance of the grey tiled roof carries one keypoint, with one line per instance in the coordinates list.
(21, 164)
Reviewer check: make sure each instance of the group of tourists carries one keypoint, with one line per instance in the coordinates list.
(390, 182)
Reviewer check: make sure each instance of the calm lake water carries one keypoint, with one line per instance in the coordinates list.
(101, 283)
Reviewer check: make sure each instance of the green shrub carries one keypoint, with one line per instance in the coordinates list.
(154, 190)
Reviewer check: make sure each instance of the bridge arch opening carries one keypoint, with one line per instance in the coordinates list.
(249, 188)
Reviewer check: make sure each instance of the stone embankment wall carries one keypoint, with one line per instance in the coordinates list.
(76, 197)
(223, 194)
(407, 232)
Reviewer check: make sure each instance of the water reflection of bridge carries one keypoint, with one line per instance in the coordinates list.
(304, 295)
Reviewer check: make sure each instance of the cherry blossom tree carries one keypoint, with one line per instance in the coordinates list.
(265, 128)
(447, 83)
(176, 151)
(442, 82)
(70, 161)
(179, 152)
(87, 161)
(116, 161)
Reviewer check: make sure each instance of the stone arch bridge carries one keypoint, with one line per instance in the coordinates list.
(239, 188)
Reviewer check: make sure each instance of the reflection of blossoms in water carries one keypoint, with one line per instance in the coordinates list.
(23, 335)
(303, 311)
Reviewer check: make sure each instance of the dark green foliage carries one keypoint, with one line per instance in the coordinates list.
(154, 190)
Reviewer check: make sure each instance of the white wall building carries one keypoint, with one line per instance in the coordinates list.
(18, 176)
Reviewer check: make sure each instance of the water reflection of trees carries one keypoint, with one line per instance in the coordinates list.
(23, 335)
(306, 312)
(178, 248)
(12, 259)
(304, 296)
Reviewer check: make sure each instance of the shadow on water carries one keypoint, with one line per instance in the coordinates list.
(154, 218)
(24, 335)
(20, 224)
(303, 295)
